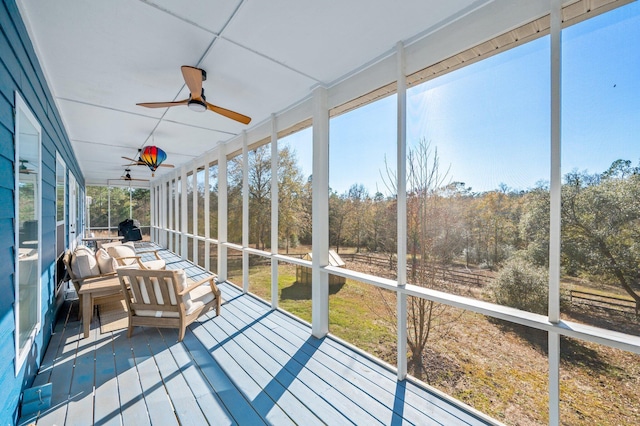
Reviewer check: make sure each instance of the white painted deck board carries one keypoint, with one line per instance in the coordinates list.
(251, 365)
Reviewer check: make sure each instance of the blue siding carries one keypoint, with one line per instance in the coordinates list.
(20, 71)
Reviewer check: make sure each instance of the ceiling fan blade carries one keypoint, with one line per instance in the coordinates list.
(193, 78)
(130, 159)
(229, 114)
(141, 180)
(140, 163)
(163, 104)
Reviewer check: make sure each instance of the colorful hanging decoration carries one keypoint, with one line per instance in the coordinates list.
(153, 156)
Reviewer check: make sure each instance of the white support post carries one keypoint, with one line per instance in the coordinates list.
(555, 211)
(222, 213)
(245, 212)
(183, 216)
(401, 186)
(163, 212)
(207, 230)
(159, 213)
(176, 221)
(162, 235)
(156, 221)
(274, 211)
(109, 209)
(152, 213)
(194, 202)
(556, 183)
(320, 215)
(170, 224)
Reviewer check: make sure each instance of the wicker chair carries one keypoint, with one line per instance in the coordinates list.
(165, 298)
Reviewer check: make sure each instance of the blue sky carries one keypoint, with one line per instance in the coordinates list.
(490, 121)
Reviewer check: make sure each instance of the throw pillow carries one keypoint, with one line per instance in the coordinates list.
(106, 263)
(83, 263)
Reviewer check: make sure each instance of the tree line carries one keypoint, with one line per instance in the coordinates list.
(448, 223)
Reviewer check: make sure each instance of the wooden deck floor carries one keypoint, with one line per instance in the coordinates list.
(248, 366)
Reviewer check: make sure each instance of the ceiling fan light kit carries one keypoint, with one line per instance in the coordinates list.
(197, 105)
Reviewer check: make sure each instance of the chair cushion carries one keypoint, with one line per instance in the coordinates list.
(158, 293)
(110, 244)
(85, 248)
(106, 263)
(83, 263)
(154, 264)
(199, 297)
(122, 250)
(193, 300)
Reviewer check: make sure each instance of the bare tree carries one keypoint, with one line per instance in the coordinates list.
(425, 226)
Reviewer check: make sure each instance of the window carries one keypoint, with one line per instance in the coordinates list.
(27, 214)
(61, 208)
(60, 190)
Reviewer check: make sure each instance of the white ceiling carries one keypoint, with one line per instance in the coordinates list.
(261, 57)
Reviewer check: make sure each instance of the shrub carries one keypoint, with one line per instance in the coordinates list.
(522, 285)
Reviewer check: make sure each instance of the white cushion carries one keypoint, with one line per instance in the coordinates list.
(156, 289)
(154, 264)
(194, 300)
(199, 297)
(84, 248)
(106, 263)
(122, 250)
(83, 263)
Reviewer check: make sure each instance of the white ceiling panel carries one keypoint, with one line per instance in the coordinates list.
(114, 53)
(190, 142)
(328, 39)
(209, 14)
(243, 81)
(261, 57)
(104, 125)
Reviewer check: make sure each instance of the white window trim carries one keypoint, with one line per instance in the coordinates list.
(60, 160)
(21, 105)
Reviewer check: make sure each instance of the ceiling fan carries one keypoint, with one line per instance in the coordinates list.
(194, 77)
(24, 169)
(139, 162)
(127, 177)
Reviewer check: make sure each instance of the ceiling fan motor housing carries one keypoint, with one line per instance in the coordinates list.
(197, 104)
